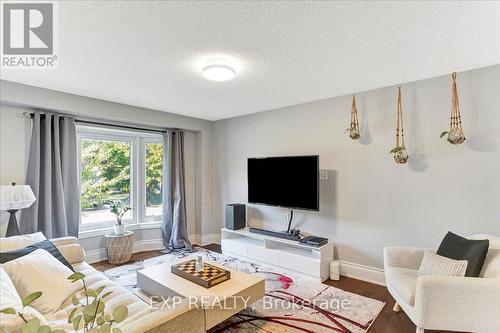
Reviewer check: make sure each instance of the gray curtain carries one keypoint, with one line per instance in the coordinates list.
(174, 224)
(53, 176)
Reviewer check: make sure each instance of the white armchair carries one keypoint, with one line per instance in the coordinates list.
(445, 303)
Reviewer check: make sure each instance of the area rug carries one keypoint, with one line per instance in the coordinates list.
(293, 303)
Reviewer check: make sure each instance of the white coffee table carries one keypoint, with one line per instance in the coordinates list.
(241, 290)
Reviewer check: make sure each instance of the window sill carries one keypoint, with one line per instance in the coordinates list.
(104, 231)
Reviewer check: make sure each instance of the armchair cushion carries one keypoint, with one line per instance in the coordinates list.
(460, 248)
(491, 266)
(403, 281)
(434, 264)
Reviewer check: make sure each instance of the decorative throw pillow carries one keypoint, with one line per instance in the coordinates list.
(11, 299)
(434, 264)
(8, 293)
(45, 245)
(18, 242)
(460, 248)
(40, 271)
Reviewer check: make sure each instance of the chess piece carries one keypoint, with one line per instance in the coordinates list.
(199, 265)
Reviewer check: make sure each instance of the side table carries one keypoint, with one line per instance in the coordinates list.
(119, 247)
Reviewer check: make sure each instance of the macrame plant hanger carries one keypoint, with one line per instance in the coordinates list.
(400, 153)
(353, 129)
(456, 134)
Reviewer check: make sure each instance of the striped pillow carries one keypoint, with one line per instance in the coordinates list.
(434, 264)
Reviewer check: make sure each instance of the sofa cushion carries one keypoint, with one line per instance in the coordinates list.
(137, 308)
(72, 252)
(403, 281)
(9, 298)
(40, 271)
(460, 248)
(18, 242)
(45, 245)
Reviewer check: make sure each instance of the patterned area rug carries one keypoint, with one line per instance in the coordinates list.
(293, 304)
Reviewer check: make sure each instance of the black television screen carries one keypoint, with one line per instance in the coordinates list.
(290, 181)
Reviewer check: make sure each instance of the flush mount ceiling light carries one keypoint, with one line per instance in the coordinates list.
(218, 70)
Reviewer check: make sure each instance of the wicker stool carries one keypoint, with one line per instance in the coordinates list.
(119, 247)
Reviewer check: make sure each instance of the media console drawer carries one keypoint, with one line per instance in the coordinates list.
(300, 264)
(234, 247)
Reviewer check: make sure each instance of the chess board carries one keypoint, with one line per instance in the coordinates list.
(209, 277)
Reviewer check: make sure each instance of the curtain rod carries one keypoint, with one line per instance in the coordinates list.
(103, 123)
(120, 126)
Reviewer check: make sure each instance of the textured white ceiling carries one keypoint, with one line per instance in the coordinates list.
(148, 53)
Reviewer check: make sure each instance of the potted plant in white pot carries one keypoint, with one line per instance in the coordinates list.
(119, 209)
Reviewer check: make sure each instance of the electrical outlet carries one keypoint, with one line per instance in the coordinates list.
(323, 174)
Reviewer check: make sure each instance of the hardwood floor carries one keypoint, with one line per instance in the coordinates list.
(388, 321)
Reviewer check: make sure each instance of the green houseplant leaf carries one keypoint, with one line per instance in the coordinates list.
(8, 311)
(31, 298)
(76, 276)
(395, 150)
(76, 322)
(443, 134)
(100, 320)
(99, 290)
(31, 326)
(44, 329)
(116, 330)
(106, 294)
(72, 315)
(106, 328)
(120, 313)
(74, 300)
(90, 293)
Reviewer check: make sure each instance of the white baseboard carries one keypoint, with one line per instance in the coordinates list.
(203, 240)
(151, 245)
(362, 272)
(139, 246)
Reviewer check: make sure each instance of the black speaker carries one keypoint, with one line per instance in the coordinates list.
(235, 216)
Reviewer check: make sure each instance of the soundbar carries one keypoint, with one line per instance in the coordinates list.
(275, 234)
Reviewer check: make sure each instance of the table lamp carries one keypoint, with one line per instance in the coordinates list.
(13, 198)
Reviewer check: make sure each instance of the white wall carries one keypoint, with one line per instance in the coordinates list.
(14, 149)
(369, 202)
(15, 134)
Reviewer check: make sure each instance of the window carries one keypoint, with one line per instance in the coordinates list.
(154, 177)
(119, 165)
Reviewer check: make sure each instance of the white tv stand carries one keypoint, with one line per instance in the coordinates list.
(310, 261)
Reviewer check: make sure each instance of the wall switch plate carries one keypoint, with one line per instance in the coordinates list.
(323, 174)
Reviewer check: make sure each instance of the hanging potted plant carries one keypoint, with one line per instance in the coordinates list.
(456, 134)
(399, 152)
(119, 209)
(353, 129)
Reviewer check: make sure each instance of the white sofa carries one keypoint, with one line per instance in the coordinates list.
(445, 303)
(142, 318)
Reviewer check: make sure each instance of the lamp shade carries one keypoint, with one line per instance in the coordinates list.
(16, 197)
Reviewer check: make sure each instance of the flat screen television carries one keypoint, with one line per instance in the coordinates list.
(290, 181)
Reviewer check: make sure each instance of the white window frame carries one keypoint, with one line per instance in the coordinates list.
(137, 140)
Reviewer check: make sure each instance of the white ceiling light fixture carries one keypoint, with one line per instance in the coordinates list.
(218, 70)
